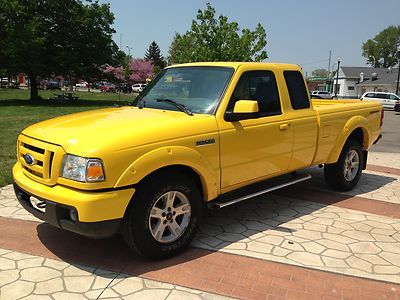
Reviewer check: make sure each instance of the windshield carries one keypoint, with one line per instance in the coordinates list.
(199, 89)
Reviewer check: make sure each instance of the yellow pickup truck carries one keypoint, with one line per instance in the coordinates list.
(200, 134)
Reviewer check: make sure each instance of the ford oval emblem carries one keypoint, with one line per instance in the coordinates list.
(29, 159)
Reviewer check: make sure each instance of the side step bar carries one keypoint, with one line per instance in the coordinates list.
(222, 204)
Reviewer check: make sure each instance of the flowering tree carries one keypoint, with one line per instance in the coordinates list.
(117, 72)
(140, 69)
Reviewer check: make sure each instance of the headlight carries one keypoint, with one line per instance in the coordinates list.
(82, 169)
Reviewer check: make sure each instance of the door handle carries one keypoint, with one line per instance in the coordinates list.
(284, 126)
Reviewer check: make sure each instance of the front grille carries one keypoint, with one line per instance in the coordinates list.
(44, 154)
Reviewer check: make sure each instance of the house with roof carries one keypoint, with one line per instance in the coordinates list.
(354, 81)
(380, 82)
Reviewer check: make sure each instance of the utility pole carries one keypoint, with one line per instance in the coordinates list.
(398, 69)
(329, 71)
(337, 77)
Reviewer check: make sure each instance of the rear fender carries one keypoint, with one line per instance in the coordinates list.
(348, 129)
(170, 156)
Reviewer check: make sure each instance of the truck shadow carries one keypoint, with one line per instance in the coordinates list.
(281, 215)
(368, 182)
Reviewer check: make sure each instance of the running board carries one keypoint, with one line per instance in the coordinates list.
(226, 202)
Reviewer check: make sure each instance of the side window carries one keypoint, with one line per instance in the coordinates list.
(260, 86)
(382, 96)
(297, 89)
(370, 95)
(394, 97)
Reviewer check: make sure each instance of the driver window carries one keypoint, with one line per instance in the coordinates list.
(260, 86)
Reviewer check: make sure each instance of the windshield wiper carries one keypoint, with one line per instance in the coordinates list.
(179, 106)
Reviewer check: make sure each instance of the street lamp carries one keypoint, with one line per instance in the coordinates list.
(129, 56)
(129, 51)
(337, 77)
(374, 60)
(398, 69)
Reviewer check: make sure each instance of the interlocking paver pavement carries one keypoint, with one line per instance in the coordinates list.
(33, 277)
(281, 227)
(373, 185)
(307, 234)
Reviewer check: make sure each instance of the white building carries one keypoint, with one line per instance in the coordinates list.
(354, 81)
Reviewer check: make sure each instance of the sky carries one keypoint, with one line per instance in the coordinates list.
(301, 32)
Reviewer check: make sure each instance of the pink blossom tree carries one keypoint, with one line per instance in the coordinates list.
(140, 69)
(117, 72)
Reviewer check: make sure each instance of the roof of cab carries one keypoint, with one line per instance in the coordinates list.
(236, 65)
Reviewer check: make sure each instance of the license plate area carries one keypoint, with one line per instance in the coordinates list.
(38, 204)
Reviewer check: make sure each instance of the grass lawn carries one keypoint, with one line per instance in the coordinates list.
(16, 113)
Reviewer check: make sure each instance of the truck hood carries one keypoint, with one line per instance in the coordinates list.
(118, 128)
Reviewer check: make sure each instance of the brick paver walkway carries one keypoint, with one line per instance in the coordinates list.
(300, 242)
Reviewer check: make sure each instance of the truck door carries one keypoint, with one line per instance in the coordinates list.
(255, 148)
(303, 119)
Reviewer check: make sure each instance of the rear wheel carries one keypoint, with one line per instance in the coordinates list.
(163, 217)
(345, 173)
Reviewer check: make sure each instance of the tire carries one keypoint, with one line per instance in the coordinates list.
(167, 231)
(346, 172)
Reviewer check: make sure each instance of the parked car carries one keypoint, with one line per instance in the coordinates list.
(53, 84)
(147, 170)
(124, 88)
(82, 84)
(321, 95)
(4, 82)
(96, 85)
(388, 100)
(14, 85)
(106, 87)
(397, 106)
(138, 87)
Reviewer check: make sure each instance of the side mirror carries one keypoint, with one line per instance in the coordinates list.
(243, 110)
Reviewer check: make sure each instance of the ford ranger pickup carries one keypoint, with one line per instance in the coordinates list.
(199, 133)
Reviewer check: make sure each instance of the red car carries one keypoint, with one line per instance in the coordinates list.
(107, 87)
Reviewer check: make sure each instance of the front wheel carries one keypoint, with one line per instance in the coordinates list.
(163, 217)
(346, 172)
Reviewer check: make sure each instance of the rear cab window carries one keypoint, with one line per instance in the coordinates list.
(297, 90)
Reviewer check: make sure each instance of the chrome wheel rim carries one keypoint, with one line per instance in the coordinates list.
(169, 217)
(351, 165)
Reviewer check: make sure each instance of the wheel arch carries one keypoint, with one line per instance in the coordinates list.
(174, 159)
(355, 129)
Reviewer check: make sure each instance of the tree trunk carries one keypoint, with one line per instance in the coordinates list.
(70, 87)
(34, 87)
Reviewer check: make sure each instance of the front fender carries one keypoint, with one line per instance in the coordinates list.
(351, 125)
(169, 156)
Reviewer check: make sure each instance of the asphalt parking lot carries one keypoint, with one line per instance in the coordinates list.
(390, 141)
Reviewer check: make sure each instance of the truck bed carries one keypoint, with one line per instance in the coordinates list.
(331, 106)
(334, 115)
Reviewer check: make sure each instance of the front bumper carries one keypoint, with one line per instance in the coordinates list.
(58, 215)
(99, 213)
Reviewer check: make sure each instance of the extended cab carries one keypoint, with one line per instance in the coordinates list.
(199, 133)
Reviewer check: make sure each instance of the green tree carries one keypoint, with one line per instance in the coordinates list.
(319, 73)
(51, 37)
(153, 54)
(380, 51)
(217, 39)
